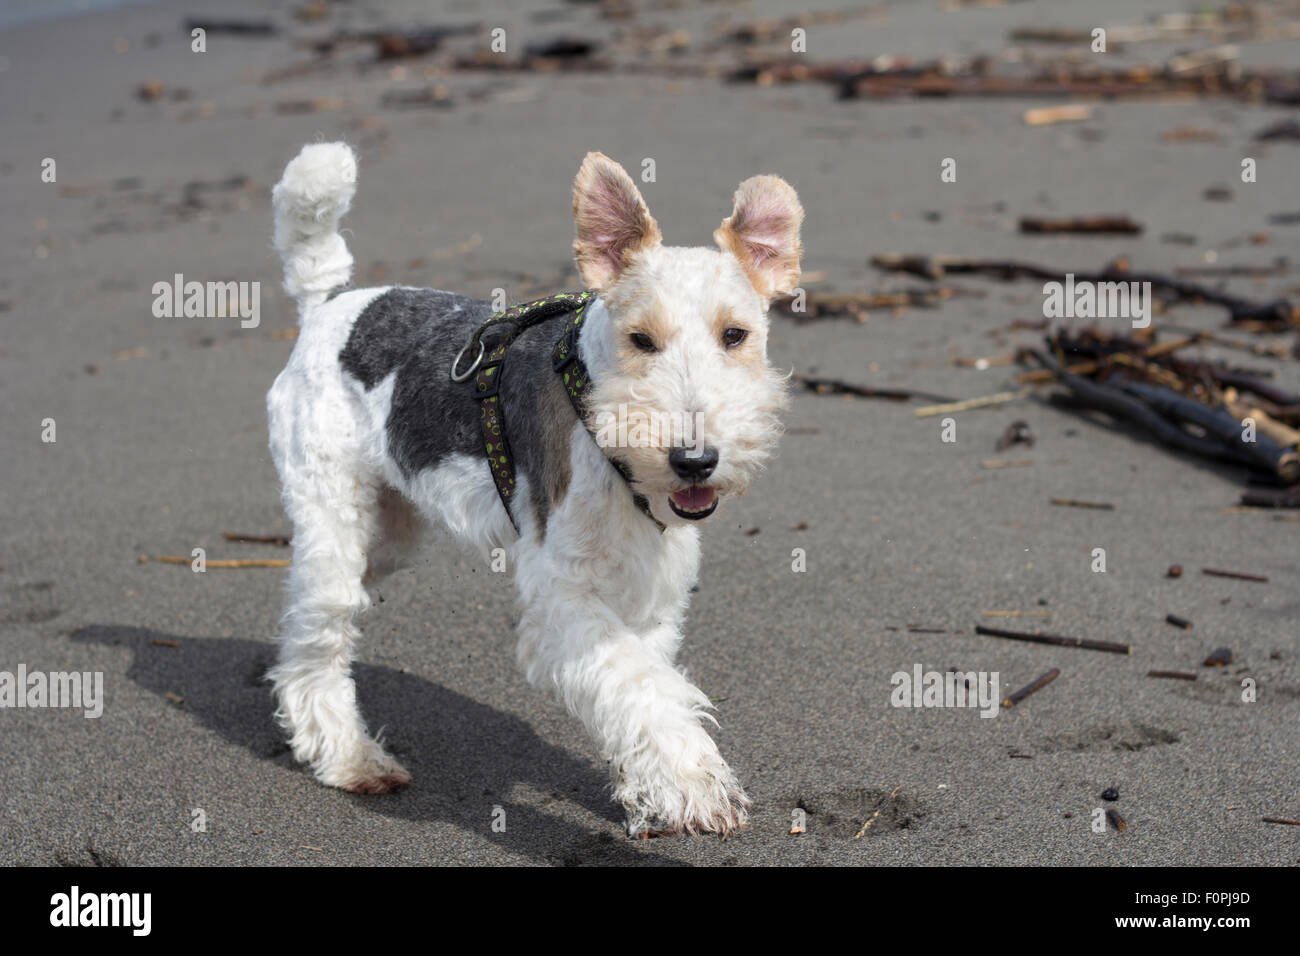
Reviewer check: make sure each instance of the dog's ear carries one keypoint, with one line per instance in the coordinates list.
(612, 220)
(762, 232)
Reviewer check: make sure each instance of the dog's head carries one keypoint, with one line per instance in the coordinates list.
(682, 392)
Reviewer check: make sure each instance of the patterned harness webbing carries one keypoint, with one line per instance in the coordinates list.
(565, 361)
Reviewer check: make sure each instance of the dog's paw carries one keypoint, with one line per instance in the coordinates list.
(703, 799)
(380, 782)
(374, 771)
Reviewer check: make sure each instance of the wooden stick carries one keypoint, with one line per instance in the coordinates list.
(1076, 503)
(1094, 225)
(1272, 498)
(1290, 823)
(830, 386)
(1218, 424)
(241, 563)
(1276, 315)
(1087, 368)
(1268, 350)
(1039, 638)
(1237, 575)
(1147, 406)
(882, 806)
(1025, 691)
(1173, 675)
(1001, 398)
(281, 540)
(825, 305)
(1267, 425)
(1046, 115)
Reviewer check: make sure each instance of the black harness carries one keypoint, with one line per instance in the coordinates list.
(488, 369)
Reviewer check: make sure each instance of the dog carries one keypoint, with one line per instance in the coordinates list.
(377, 448)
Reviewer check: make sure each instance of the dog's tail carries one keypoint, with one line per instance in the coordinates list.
(314, 193)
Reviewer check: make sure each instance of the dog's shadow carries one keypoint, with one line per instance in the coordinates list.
(464, 756)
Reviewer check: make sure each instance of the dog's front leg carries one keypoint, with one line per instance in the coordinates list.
(644, 715)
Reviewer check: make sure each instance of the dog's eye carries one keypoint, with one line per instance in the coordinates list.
(643, 342)
(733, 337)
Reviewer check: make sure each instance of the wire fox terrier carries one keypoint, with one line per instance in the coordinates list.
(376, 444)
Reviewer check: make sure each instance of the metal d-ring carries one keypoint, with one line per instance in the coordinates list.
(478, 360)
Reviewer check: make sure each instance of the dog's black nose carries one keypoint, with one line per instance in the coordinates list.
(693, 464)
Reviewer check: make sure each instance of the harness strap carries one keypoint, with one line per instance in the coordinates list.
(565, 361)
(573, 373)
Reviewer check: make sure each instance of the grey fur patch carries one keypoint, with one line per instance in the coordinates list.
(416, 333)
(539, 439)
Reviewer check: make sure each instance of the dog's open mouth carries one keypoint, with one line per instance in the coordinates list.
(693, 503)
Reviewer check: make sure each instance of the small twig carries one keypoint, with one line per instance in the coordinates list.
(158, 642)
(1172, 675)
(1290, 823)
(1234, 271)
(241, 563)
(277, 539)
(1177, 621)
(882, 806)
(984, 401)
(1236, 575)
(830, 386)
(1056, 640)
(1282, 498)
(1093, 225)
(1018, 696)
(1075, 503)
(1276, 315)
(1047, 115)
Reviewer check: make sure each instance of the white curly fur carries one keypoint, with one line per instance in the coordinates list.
(602, 592)
(313, 195)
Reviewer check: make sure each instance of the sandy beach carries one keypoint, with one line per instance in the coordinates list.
(164, 159)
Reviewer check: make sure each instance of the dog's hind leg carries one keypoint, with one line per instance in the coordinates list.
(334, 505)
(330, 492)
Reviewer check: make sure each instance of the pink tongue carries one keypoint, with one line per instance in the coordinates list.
(694, 498)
